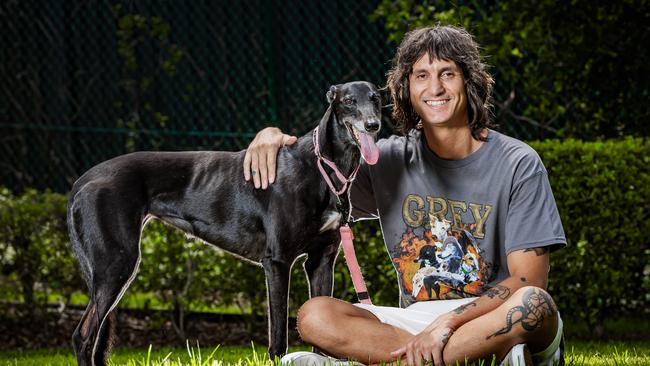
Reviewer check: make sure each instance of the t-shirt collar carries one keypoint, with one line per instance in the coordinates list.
(453, 164)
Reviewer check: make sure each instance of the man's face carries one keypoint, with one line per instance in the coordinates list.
(437, 89)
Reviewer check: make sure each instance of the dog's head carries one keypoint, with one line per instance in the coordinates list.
(357, 106)
(427, 255)
(439, 228)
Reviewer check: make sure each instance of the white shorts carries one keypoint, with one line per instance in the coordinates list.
(419, 315)
(416, 316)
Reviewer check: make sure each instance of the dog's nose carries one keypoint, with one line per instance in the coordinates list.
(372, 125)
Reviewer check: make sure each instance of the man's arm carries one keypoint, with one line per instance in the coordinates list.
(261, 154)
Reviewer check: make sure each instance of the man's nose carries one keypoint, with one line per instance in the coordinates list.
(435, 85)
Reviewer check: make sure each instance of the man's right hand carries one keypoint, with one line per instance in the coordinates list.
(262, 153)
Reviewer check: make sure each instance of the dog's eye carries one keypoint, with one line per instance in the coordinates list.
(348, 101)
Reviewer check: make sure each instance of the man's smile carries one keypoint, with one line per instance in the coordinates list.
(437, 102)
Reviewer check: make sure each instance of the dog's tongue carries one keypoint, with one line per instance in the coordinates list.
(369, 150)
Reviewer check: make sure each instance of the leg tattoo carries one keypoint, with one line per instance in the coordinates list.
(536, 306)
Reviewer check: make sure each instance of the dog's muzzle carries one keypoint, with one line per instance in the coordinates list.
(366, 141)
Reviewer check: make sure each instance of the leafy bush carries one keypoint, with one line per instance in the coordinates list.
(602, 190)
(33, 244)
(603, 194)
(187, 274)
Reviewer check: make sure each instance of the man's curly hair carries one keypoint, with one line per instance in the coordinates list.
(445, 43)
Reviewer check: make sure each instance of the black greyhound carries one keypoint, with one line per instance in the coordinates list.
(204, 194)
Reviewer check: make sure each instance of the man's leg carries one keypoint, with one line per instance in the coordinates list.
(343, 330)
(529, 316)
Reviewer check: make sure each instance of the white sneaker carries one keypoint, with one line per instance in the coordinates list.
(557, 359)
(519, 355)
(314, 359)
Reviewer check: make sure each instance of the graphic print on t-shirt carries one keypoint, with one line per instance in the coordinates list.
(446, 260)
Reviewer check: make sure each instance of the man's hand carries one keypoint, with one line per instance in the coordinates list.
(429, 344)
(262, 153)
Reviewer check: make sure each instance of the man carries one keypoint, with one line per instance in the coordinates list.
(468, 217)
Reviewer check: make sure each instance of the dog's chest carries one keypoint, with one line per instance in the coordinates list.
(331, 221)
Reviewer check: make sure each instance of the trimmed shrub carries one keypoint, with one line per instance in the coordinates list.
(34, 245)
(186, 274)
(602, 190)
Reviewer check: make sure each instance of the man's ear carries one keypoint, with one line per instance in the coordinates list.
(331, 94)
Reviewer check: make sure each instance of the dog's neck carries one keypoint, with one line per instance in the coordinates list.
(335, 145)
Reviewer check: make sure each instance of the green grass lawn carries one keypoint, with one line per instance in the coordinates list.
(578, 353)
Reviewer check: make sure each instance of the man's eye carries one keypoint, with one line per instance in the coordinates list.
(448, 75)
(421, 76)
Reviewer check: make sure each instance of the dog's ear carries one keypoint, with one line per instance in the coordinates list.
(331, 94)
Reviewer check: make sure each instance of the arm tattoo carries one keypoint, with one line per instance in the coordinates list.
(539, 251)
(462, 308)
(499, 291)
(536, 306)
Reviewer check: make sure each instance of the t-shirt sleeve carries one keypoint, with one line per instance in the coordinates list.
(362, 196)
(533, 219)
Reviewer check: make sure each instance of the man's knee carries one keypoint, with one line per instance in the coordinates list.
(314, 316)
(536, 308)
(535, 298)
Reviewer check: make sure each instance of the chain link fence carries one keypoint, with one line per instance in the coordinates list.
(82, 82)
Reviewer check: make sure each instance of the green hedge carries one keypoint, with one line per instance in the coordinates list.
(603, 194)
(602, 191)
(34, 250)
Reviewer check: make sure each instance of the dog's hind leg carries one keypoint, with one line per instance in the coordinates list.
(277, 284)
(106, 241)
(93, 337)
(82, 340)
(89, 336)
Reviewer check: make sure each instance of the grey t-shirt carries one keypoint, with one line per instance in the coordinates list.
(448, 225)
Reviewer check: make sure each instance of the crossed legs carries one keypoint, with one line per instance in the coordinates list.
(346, 331)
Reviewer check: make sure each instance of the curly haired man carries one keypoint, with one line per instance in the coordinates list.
(475, 289)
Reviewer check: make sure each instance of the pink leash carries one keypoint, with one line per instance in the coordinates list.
(344, 230)
(353, 265)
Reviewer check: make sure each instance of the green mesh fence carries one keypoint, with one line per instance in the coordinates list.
(83, 81)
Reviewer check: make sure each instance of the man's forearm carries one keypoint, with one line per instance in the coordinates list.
(490, 300)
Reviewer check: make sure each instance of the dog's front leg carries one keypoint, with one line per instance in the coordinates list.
(277, 283)
(319, 267)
